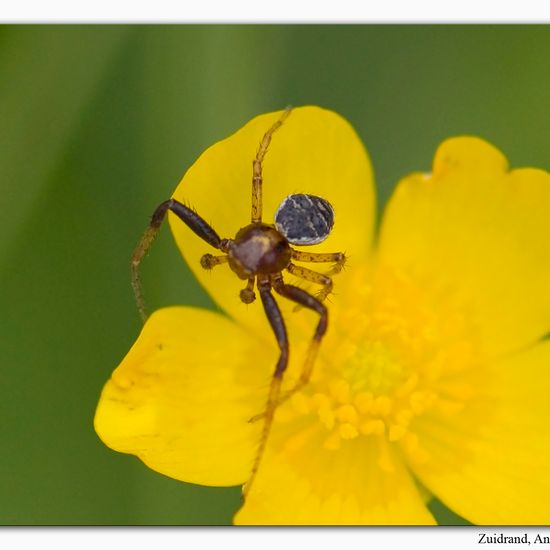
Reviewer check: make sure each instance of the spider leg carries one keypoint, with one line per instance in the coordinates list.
(247, 294)
(257, 177)
(277, 323)
(339, 259)
(313, 277)
(186, 215)
(208, 261)
(305, 299)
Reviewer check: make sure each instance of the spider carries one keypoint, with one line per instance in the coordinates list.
(259, 253)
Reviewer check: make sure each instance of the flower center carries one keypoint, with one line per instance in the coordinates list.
(396, 356)
(373, 368)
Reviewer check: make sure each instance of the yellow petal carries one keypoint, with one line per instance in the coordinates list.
(490, 463)
(182, 397)
(357, 484)
(475, 231)
(315, 151)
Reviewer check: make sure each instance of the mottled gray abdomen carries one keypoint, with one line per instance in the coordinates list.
(304, 219)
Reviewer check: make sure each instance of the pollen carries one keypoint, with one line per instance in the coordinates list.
(379, 391)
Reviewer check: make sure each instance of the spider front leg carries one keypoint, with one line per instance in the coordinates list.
(257, 177)
(186, 215)
(302, 298)
(277, 323)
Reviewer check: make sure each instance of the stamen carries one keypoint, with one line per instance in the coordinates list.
(347, 413)
(396, 432)
(348, 431)
(326, 416)
(319, 400)
(382, 405)
(363, 401)
(395, 359)
(375, 427)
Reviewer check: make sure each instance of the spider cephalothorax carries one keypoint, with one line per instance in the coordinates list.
(260, 253)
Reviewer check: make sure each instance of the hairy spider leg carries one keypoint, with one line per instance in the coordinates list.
(247, 294)
(312, 277)
(338, 258)
(208, 261)
(277, 323)
(303, 298)
(273, 313)
(186, 215)
(257, 177)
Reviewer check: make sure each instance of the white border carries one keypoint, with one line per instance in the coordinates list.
(233, 538)
(280, 11)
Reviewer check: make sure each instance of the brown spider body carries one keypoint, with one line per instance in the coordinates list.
(258, 248)
(260, 253)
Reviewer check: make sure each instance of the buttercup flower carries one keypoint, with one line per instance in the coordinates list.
(433, 377)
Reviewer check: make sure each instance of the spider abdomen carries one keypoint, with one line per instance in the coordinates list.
(304, 219)
(258, 248)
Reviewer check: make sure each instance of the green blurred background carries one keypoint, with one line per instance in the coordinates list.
(98, 123)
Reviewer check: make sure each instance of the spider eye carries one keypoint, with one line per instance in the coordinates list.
(304, 219)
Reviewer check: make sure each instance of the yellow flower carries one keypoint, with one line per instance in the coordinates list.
(434, 375)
